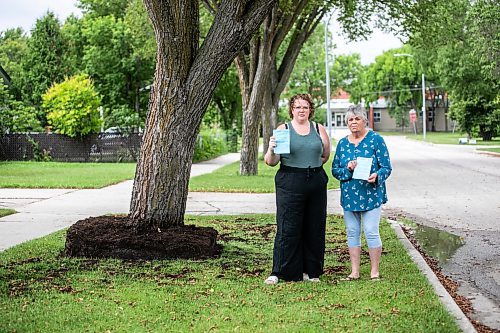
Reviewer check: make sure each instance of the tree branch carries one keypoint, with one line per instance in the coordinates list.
(287, 24)
(243, 76)
(254, 58)
(304, 28)
(233, 25)
(211, 6)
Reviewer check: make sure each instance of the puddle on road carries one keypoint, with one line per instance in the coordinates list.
(436, 243)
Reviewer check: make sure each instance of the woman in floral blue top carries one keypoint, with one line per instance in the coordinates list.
(362, 198)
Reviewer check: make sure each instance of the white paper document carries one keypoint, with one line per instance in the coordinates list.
(363, 167)
(282, 138)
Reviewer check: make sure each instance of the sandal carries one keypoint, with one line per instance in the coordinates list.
(273, 279)
(376, 278)
(349, 278)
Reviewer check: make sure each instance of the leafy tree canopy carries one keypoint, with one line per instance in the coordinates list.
(96, 8)
(12, 50)
(115, 44)
(398, 79)
(464, 49)
(43, 62)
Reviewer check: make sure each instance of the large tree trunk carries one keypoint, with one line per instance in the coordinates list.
(185, 79)
(161, 181)
(272, 123)
(268, 124)
(249, 144)
(257, 73)
(251, 114)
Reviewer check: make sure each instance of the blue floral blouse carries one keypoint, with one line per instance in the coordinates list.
(359, 195)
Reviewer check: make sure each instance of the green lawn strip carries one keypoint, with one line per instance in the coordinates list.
(493, 150)
(227, 179)
(6, 211)
(63, 175)
(443, 138)
(42, 292)
(97, 175)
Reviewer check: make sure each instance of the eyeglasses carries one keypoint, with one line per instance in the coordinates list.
(305, 108)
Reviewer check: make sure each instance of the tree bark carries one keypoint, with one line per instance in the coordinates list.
(185, 78)
(253, 80)
(268, 123)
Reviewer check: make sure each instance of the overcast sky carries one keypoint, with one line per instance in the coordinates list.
(23, 13)
(375, 45)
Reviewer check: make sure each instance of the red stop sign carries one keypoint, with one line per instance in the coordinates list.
(413, 116)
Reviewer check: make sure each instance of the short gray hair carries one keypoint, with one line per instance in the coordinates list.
(356, 110)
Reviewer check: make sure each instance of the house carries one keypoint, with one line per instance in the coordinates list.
(379, 118)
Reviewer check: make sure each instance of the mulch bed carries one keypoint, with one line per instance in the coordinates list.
(450, 285)
(114, 237)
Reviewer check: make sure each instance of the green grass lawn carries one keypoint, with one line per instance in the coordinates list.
(43, 292)
(443, 138)
(6, 211)
(97, 175)
(227, 179)
(63, 175)
(494, 150)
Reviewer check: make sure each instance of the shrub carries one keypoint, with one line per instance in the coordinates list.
(72, 106)
(16, 117)
(210, 144)
(38, 155)
(125, 118)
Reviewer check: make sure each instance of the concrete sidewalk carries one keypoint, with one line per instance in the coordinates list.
(43, 211)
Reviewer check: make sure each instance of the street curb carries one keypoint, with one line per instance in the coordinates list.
(448, 301)
(489, 153)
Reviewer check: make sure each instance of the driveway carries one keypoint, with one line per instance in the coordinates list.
(455, 189)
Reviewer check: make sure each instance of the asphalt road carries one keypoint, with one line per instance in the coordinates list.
(455, 189)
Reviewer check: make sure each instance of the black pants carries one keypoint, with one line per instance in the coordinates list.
(299, 246)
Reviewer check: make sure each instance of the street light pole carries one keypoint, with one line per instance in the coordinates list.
(327, 66)
(424, 115)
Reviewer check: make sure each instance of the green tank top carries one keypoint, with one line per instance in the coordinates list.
(305, 150)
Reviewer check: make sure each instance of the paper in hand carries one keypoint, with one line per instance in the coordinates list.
(363, 168)
(282, 137)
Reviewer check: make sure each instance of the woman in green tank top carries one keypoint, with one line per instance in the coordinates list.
(299, 245)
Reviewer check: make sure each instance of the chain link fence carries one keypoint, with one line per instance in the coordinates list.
(102, 147)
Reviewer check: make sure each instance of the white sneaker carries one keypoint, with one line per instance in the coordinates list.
(305, 277)
(273, 279)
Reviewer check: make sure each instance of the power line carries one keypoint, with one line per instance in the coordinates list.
(394, 90)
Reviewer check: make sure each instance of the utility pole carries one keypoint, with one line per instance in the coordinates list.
(328, 94)
(424, 115)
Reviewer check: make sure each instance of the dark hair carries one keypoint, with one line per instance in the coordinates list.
(305, 97)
